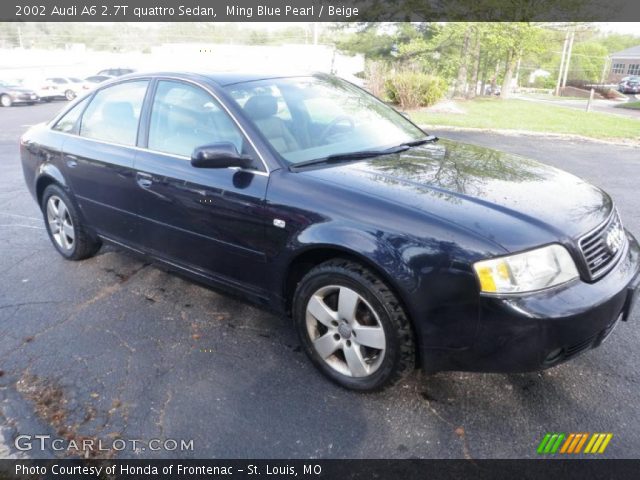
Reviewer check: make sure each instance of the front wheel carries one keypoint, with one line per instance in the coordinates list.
(353, 327)
(6, 101)
(69, 95)
(65, 227)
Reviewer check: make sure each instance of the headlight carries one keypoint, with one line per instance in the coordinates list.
(526, 272)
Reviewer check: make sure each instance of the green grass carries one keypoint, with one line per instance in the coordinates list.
(513, 114)
(630, 105)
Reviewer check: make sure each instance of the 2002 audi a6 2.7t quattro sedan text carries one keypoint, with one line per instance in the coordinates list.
(307, 195)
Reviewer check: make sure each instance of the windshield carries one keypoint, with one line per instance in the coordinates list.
(307, 118)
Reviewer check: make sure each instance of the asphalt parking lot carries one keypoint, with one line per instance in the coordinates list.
(112, 347)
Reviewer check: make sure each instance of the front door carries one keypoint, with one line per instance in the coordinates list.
(209, 220)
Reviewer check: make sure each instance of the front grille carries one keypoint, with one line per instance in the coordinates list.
(603, 246)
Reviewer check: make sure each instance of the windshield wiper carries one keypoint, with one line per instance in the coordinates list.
(422, 141)
(346, 157)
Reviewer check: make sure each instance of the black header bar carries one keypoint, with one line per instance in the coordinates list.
(318, 10)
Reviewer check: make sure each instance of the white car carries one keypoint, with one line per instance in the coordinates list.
(72, 86)
(62, 87)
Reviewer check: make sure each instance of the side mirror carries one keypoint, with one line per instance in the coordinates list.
(219, 155)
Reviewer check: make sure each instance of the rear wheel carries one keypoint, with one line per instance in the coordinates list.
(353, 327)
(65, 227)
(5, 101)
(69, 95)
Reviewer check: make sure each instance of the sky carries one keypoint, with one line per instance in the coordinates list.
(632, 28)
(621, 27)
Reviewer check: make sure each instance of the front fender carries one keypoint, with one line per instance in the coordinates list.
(435, 285)
(425, 260)
(371, 246)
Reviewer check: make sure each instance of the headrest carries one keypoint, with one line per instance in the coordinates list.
(261, 106)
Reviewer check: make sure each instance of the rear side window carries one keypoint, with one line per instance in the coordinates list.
(69, 121)
(184, 117)
(113, 114)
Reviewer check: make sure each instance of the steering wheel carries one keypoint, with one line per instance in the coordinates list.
(333, 124)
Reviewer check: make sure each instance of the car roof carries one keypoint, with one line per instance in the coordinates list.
(221, 78)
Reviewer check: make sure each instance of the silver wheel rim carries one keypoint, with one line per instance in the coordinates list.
(6, 101)
(60, 223)
(345, 331)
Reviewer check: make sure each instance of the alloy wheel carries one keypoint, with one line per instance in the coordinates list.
(60, 223)
(345, 331)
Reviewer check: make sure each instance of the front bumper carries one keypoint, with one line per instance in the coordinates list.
(540, 330)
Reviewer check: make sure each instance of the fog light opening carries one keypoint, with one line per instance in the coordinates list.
(554, 356)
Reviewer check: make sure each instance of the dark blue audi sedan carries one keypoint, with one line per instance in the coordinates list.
(308, 196)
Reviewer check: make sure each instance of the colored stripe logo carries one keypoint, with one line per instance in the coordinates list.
(574, 443)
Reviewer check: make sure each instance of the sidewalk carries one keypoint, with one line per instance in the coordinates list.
(597, 105)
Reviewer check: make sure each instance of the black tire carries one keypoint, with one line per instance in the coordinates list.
(5, 101)
(398, 359)
(84, 244)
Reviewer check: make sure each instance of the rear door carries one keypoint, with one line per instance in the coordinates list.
(208, 220)
(98, 159)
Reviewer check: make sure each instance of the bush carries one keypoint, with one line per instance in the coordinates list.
(375, 75)
(412, 89)
(545, 82)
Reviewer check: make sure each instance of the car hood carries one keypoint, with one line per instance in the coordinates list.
(511, 200)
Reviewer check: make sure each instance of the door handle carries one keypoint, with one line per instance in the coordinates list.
(145, 181)
(72, 161)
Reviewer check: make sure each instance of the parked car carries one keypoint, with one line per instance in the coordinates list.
(98, 79)
(10, 93)
(46, 90)
(632, 86)
(116, 72)
(629, 84)
(311, 197)
(67, 87)
(492, 90)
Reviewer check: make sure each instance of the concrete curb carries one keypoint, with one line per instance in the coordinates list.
(529, 133)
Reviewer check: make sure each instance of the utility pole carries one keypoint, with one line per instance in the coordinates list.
(560, 70)
(315, 33)
(566, 67)
(19, 36)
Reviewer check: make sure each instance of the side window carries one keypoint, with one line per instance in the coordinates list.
(69, 121)
(184, 117)
(113, 114)
(266, 107)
